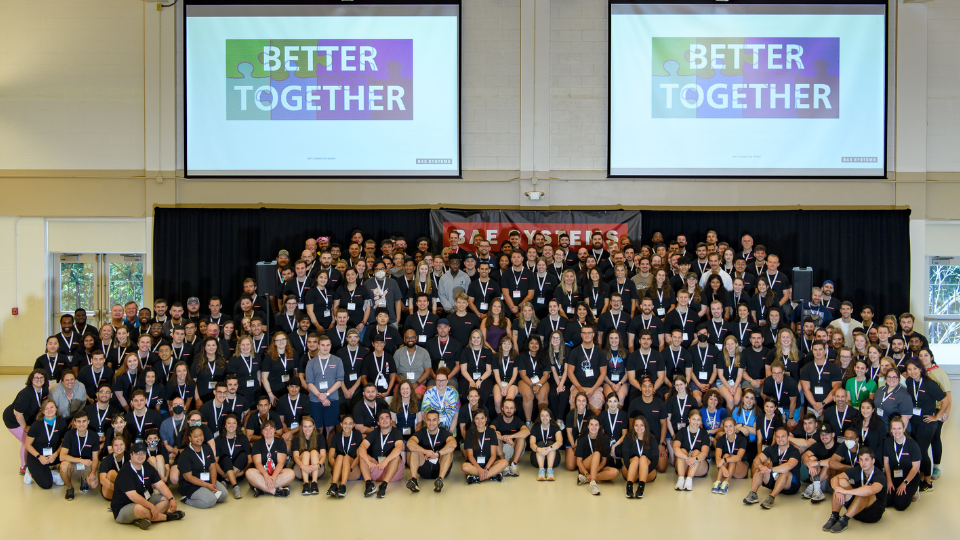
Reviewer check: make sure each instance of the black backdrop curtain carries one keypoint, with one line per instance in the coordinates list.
(206, 252)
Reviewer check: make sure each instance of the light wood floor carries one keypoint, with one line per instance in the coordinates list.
(518, 508)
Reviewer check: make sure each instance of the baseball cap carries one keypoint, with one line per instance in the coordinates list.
(193, 300)
(283, 253)
(138, 447)
(830, 282)
(443, 321)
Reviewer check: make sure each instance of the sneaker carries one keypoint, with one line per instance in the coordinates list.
(560, 425)
(497, 477)
(768, 502)
(638, 494)
(511, 470)
(916, 496)
(688, 484)
(236, 492)
(314, 488)
(680, 482)
(724, 487)
(541, 474)
(69, 496)
(413, 485)
(830, 523)
(370, 490)
(581, 480)
(807, 493)
(382, 490)
(84, 487)
(529, 425)
(438, 485)
(175, 516)
(282, 492)
(256, 492)
(472, 479)
(716, 488)
(183, 500)
(144, 524)
(841, 525)
(818, 496)
(751, 498)
(306, 489)
(23, 470)
(56, 478)
(549, 475)
(936, 473)
(342, 492)
(594, 489)
(629, 490)
(109, 507)
(925, 487)
(332, 492)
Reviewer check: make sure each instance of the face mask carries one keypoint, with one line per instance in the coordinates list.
(178, 410)
(850, 444)
(380, 274)
(194, 424)
(152, 444)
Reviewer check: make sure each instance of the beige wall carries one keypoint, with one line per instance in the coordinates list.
(89, 129)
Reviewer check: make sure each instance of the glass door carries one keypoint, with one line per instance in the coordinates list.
(94, 282)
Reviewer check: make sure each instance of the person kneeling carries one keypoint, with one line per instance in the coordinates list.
(862, 490)
(140, 496)
(431, 453)
(198, 473)
(381, 456)
(776, 468)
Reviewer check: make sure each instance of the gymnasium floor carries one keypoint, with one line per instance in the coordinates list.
(516, 508)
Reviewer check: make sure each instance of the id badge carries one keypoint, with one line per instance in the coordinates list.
(588, 372)
(818, 390)
(732, 382)
(382, 303)
(250, 383)
(534, 379)
(685, 337)
(211, 385)
(540, 300)
(323, 385)
(284, 378)
(380, 459)
(661, 312)
(481, 460)
(406, 431)
(594, 310)
(421, 338)
(100, 434)
(615, 377)
(434, 461)
(353, 377)
(204, 477)
(47, 451)
(569, 309)
(484, 306)
(719, 347)
(294, 425)
(504, 384)
(442, 364)
(476, 375)
(703, 375)
(410, 376)
(300, 306)
(880, 413)
(381, 381)
(351, 306)
(79, 466)
(916, 412)
(326, 313)
(897, 474)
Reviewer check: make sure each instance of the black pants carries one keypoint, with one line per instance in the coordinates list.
(902, 502)
(238, 461)
(559, 403)
(923, 433)
(937, 445)
(41, 474)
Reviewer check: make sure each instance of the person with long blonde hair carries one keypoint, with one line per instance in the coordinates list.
(730, 375)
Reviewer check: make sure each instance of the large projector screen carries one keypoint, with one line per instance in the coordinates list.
(787, 90)
(358, 90)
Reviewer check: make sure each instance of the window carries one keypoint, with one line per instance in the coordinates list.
(943, 307)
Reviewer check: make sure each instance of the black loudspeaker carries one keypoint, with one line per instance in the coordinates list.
(267, 278)
(802, 284)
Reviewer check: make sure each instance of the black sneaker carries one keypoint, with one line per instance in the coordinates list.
(342, 492)
(332, 492)
(438, 485)
(472, 479)
(281, 492)
(256, 492)
(639, 493)
(69, 495)
(841, 525)
(926, 486)
(306, 489)
(830, 523)
(370, 490)
(314, 488)
(144, 524)
(84, 487)
(497, 477)
(175, 516)
(413, 485)
(629, 490)
(382, 490)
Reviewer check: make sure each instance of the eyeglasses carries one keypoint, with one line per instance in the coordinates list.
(441, 380)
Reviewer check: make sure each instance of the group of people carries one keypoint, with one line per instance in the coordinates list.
(608, 361)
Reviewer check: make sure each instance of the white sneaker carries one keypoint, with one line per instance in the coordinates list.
(529, 425)
(688, 484)
(560, 425)
(56, 478)
(513, 470)
(807, 493)
(27, 479)
(581, 480)
(594, 489)
(680, 483)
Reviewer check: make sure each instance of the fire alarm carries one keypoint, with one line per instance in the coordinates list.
(16, 311)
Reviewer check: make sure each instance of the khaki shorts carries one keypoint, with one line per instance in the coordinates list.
(126, 515)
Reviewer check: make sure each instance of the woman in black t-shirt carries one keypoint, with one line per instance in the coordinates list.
(575, 427)
(730, 452)
(691, 448)
(198, 473)
(343, 457)
(545, 440)
(640, 456)
(480, 452)
(43, 442)
(309, 450)
(110, 465)
(593, 455)
(22, 413)
(233, 453)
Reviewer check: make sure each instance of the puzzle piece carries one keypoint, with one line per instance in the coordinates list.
(235, 98)
(302, 63)
(764, 110)
(248, 51)
(394, 77)
(281, 112)
(339, 113)
(671, 49)
(707, 78)
(822, 76)
(730, 68)
(666, 101)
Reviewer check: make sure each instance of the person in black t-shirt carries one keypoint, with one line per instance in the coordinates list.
(731, 447)
(901, 464)
(309, 452)
(546, 439)
(776, 468)
(268, 475)
(381, 456)
(512, 435)
(343, 457)
(431, 453)
(593, 457)
(140, 496)
(862, 490)
(80, 453)
(198, 473)
(817, 460)
(480, 452)
(640, 455)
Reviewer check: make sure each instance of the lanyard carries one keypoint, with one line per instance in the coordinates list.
(781, 455)
(516, 278)
(731, 447)
(774, 280)
(616, 322)
(778, 390)
(383, 443)
(767, 424)
(303, 341)
(588, 360)
(702, 353)
(230, 447)
(639, 447)
(213, 368)
(712, 420)
(351, 357)
(554, 326)
(216, 414)
(202, 457)
(887, 396)
(423, 321)
(841, 419)
(717, 330)
(747, 420)
(613, 422)
(683, 318)
(291, 322)
(900, 453)
(410, 359)
(369, 410)
(696, 437)
(141, 474)
(257, 345)
(443, 351)
(476, 358)
(70, 342)
(505, 366)
(483, 289)
(541, 282)
(869, 478)
(916, 391)
(683, 406)
(743, 330)
(248, 365)
(406, 412)
(53, 364)
(141, 423)
(433, 443)
(101, 418)
(819, 370)
(297, 283)
(480, 440)
(326, 362)
(557, 361)
(580, 421)
(645, 359)
(590, 442)
(294, 405)
(342, 336)
(50, 432)
(349, 442)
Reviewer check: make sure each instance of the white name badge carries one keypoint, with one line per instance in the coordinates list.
(534, 379)
(703, 375)
(916, 412)
(353, 377)
(326, 313)
(615, 377)
(421, 338)
(481, 460)
(540, 300)
(381, 458)
(476, 375)
(410, 376)
(250, 384)
(732, 382)
(294, 425)
(204, 477)
(323, 385)
(880, 412)
(661, 311)
(569, 309)
(138, 441)
(351, 306)
(685, 336)
(719, 347)
(897, 474)
(504, 384)
(406, 431)
(100, 434)
(484, 306)
(594, 311)
(818, 390)
(284, 378)
(434, 461)
(588, 372)
(381, 380)
(442, 364)
(211, 385)
(47, 451)
(80, 466)
(516, 294)
(300, 305)
(382, 303)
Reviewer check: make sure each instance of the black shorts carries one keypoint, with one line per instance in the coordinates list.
(792, 489)
(870, 514)
(430, 471)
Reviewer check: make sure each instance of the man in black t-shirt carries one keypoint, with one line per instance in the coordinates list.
(80, 453)
(817, 459)
(513, 436)
(140, 496)
(776, 468)
(862, 490)
(431, 453)
(381, 456)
